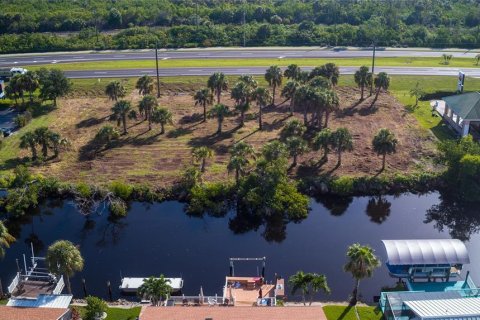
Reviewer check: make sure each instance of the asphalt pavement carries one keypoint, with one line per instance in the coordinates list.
(219, 53)
(171, 72)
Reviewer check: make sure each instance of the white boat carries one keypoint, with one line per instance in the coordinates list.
(131, 285)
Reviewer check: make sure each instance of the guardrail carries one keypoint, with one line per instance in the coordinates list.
(14, 283)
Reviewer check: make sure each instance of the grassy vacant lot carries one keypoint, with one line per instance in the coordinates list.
(147, 156)
(348, 313)
(189, 63)
(117, 313)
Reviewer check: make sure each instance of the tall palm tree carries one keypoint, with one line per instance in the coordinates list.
(274, 77)
(121, 110)
(5, 239)
(292, 72)
(363, 78)
(288, 91)
(384, 143)
(238, 164)
(301, 281)
(382, 81)
(42, 138)
(242, 149)
(417, 92)
(115, 90)
(274, 150)
(56, 142)
(304, 96)
(292, 128)
(144, 85)
(30, 82)
(263, 97)
(217, 83)
(341, 141)
(146, 106)
(331, 103)
(249, 81)
(201, 154)
(317, 283)
(203, 97)
(29, 140)
(15, 89)
(296, 146)
(241, 93)
(361, 264)
(155, 289)
(323, 140)
(320, 82)
(63, 258)
(162, 116)
(219, 111)
(329, 71)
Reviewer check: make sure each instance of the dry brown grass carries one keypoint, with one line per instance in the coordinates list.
(148, 157)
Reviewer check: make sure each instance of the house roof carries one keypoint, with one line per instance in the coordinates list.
(15, 313)
(466, 105)
(232, 313)
(426, 252)
(445, 308)
(43, 301)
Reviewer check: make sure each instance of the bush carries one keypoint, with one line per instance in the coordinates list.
(121, 190)
(342, 185)
(95, 307)
(83, 190)
(209, 198)
(118, 208)
(23, 119)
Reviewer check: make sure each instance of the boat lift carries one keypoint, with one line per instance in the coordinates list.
(232, 266)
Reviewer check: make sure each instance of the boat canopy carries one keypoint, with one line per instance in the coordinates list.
(426, 252)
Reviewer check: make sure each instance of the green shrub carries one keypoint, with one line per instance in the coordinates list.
(121, 190)
(209, 198)
(342, 185)
(118, 208)
(84, 190)
(95, 306)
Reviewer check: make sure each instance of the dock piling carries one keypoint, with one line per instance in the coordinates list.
(109, 290)
(84, 287)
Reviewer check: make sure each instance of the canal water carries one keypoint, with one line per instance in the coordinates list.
(160, 238)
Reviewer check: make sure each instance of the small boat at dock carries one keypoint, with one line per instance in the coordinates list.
(131, 285)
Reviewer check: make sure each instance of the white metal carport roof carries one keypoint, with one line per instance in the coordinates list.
(61, 301)
(425, 252)
(445, 308)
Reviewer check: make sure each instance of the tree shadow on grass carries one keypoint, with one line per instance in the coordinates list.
(275, 125)
(92, 121)
(188, 119)
(345, 312)
(178, 132)
(212, 139)
(14, 162)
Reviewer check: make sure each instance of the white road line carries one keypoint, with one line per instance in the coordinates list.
(100, 72)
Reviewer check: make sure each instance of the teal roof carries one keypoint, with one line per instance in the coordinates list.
(466, 105)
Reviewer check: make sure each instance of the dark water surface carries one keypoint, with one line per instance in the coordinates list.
(161, 238)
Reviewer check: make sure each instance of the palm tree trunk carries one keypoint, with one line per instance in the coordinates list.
(150, 122)
(383, 161)
(339, 159)
(305, 111)
(294, 160)
(304, 299)
(325, 153)
(355, 292)
(363, 89)
(273, 94)
(204, 112)
(292, 105)
(55, 101)
(67, 282)
(31, 96)
(162, 125)
(219, 130)
(203, 165)
(260, 124)
(237, 175)
(376, 97)
(34, 151)
(219, 92)
(327, 116)
(45, 149)
(124, 120)
(242, 118)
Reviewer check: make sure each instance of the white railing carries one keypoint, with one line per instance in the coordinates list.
(14, 283)
(196, 300)
(59, 287)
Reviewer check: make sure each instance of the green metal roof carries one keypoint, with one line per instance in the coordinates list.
(466, 105)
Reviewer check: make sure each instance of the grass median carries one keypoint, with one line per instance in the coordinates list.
(248, 62)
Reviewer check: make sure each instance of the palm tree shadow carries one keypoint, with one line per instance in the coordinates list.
(345, 312)
(248, 135)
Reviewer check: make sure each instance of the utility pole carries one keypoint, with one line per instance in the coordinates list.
(373, 70)
(156, 62)
(244, 23)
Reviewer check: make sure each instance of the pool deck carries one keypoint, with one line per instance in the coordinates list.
(232, 313)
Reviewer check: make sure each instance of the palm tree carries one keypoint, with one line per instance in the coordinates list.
(242, 149)
(274, 77)
(274, 150)
(121, 110)
(384, 143)
(320, 82)
(288, 91)
(219, 111)
(361, 263)
(241, 93)
(304, 96)
(201, 154)
(203, 97)
(63, 258)
(363, 78)
(238, 164)
(217, 83)
(15, 89)
(249, 81)
(301, 281)
(263, 97)
(341, 141)
(330, 104)
(155, 289)
(5, 239)
(292, 128)
(292, 72)
(115, 90)
(329, 71)
(146, 106)
(56, 142)
(317, 283)
(42, 138)
(417, 92)
(296, 146)
(29, 140)
(144, 85)
(162, 116)
(30, 82)
(323, 140)
(382, 81)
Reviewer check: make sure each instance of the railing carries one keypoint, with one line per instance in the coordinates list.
(59, 287)
(14, 283)
(197, 301)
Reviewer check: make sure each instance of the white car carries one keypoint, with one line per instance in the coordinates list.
(16, 70)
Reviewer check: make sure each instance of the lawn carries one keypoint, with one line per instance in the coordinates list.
(348, 313)
(117, 313)
(3, 302)
(248, 62)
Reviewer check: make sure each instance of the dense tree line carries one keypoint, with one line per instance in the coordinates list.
(188, 23)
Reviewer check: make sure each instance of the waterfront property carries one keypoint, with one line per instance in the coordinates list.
(131, 285)
(462, 113)
(431, 273)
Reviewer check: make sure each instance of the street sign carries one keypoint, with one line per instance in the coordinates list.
(461, 81)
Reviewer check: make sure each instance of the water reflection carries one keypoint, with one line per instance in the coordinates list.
(461, 219)
(337, 205)
(378, 209)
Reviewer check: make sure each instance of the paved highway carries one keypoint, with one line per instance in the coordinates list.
(170, 72)
(217, 53)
